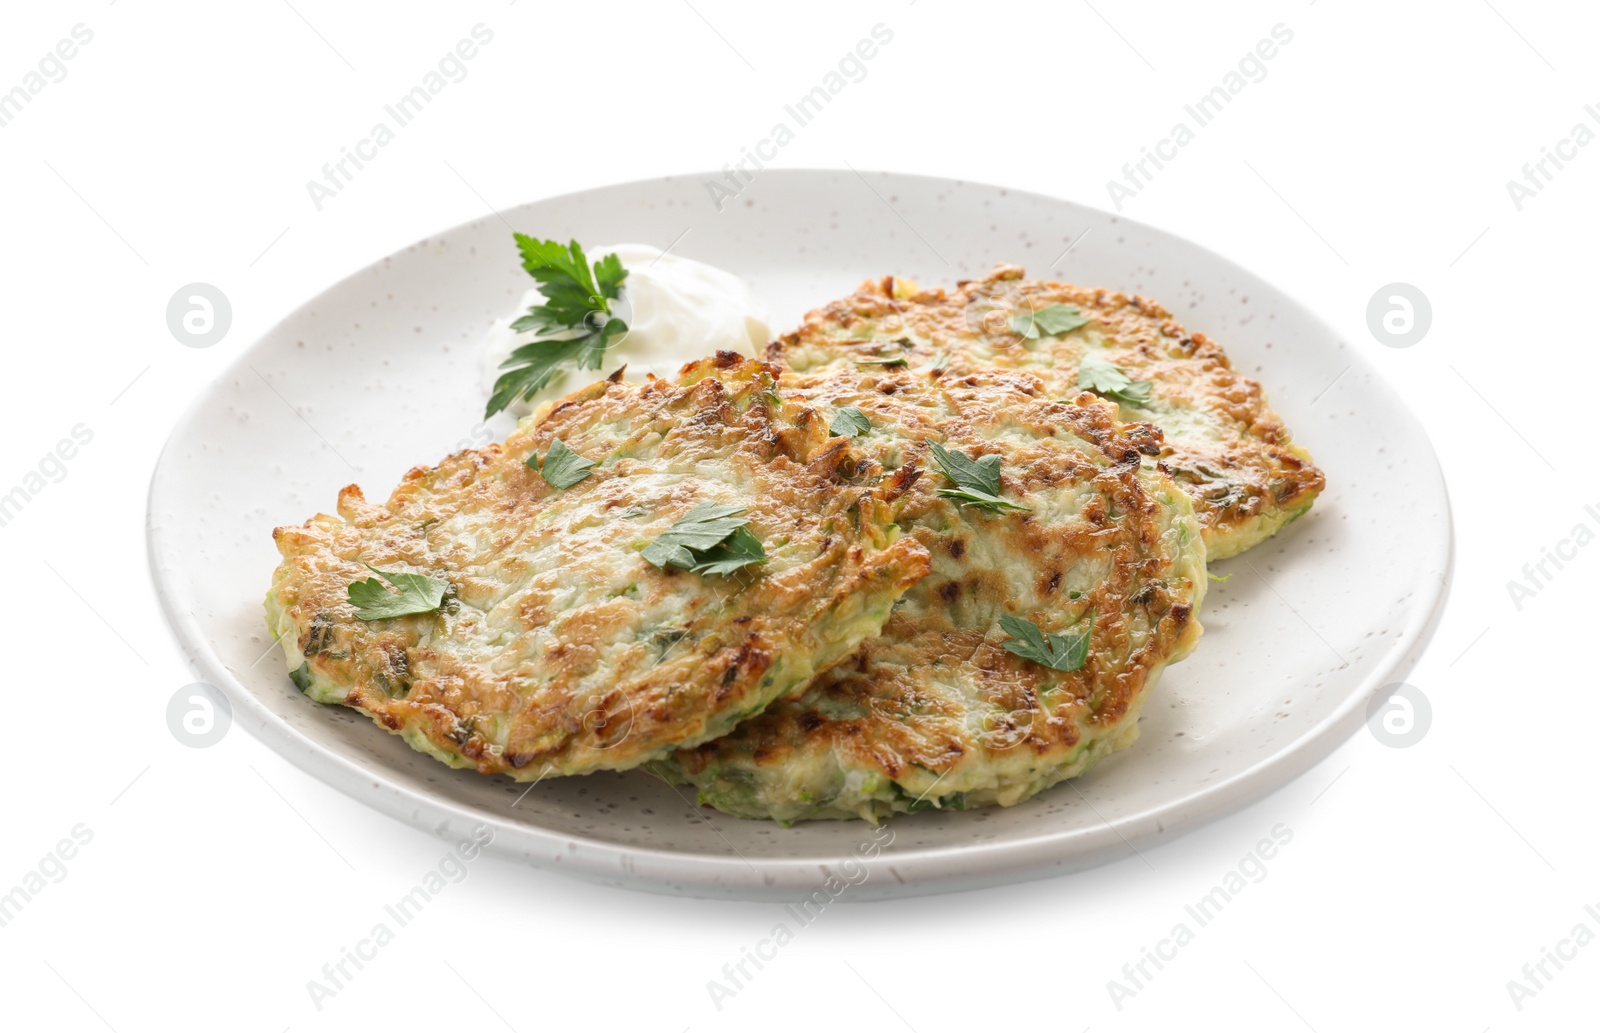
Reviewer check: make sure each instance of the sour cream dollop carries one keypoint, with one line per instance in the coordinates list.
(677, 310)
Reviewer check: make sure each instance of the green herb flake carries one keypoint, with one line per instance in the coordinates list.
(709, 539)
(741, 549)
(1058, 652)
(898, 360)
(977, 481)
(1050, 320)
(849, 422)
(418, 594)
(575, 323)
(1213, 577)
(1104, 378)
(562, 467)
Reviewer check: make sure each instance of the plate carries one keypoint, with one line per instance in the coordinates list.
(1314, 624)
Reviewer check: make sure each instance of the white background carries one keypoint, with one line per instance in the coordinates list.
(177, 148)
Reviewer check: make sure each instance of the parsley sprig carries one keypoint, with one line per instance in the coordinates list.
(1107, 379)
(562, 467)
(1051, 320)
(977, 481)
(709, 539)
(418, 593)
(849, 422)
(575, 322)
(1057, 652)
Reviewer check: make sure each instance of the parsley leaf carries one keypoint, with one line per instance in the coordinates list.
(572, 295)
(537, 362)
(1057, 652)
(709, 539)
(1051, 320)
(1103, 378)
(703, 527)
(898, 360)
(575, 323)
(740, 549)
(418, 594)
(983, 474)
(977, 480)
(849, 422)
(983, 500)
(562, 466)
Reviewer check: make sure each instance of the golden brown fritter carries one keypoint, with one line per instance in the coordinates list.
(1224, 446)
(935, 712)
(560, 649)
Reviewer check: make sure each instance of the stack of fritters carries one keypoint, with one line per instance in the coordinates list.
(871, 663)
(934, 712)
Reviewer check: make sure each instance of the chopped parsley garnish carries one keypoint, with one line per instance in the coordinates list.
(562, 466)
(709, 539)
(418, 594)
(849, 422)
(977, 481)
(1103, 378)
(741, 549)
(898, 360)
(1052, 319)
(1057, 652)
(575, 324)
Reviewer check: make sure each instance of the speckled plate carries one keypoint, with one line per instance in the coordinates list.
(1316, 623)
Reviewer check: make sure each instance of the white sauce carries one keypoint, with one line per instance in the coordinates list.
(677, 310)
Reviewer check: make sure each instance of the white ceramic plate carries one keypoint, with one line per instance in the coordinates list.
(1314, 625)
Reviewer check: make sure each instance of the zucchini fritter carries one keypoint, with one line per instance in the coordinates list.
(935, 712)
(1224, 446)
(560, 649)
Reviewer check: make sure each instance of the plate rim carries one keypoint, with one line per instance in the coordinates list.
(926, 870)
